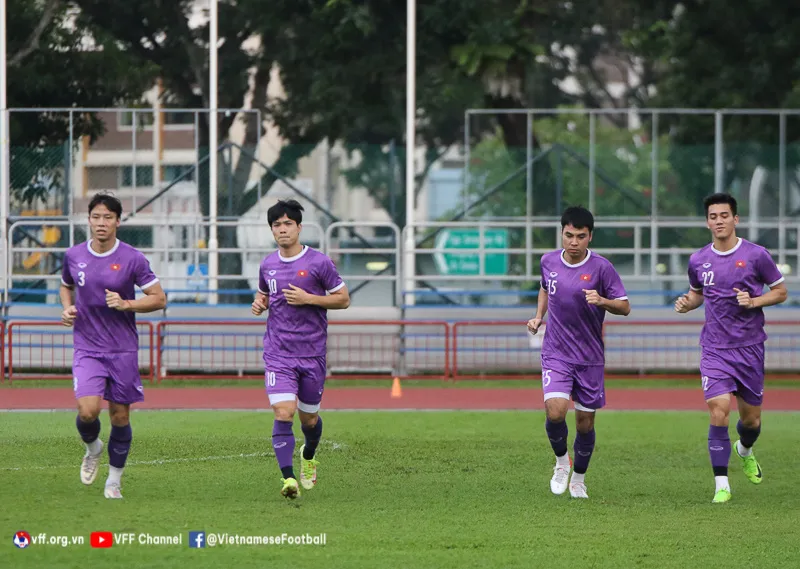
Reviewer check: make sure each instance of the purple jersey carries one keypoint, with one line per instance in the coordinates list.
(747, 267)
(99, 328)
(297, 331)
(574, 331)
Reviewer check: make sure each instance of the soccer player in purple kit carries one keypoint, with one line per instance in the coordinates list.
(578, 288)
(730, 274)
(102, 273)
(298, 285)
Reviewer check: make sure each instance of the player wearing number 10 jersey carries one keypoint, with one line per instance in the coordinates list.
(578, 288)
(730, 273)
(298, 285)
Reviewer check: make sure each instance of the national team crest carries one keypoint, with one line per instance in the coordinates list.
(116, 267)
(585, 277)
(302, 273)
(741, 264)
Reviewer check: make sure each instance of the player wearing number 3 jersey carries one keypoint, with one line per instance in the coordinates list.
(730, 274)
(298, 285)
(578, 287)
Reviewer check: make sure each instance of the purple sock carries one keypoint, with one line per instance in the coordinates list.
(119, 444)
(719, 449)
(584, 446)
(88, 431)
(557, 433)
(283, 443)
(747, 435)
(312, 436)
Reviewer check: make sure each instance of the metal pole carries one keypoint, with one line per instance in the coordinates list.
(408, 264)
(5, 143)
(528, 194)
(654, 197)
(466, 161)
(782, 188)
(71, 142)
(133, 161)
(592, 160)
(719, 157)
(213, 125)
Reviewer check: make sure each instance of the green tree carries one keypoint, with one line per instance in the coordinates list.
(726, 65)
(53, 63)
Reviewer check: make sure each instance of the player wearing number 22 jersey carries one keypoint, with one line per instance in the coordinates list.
(298, 285)
(730, 274)
(578, 288)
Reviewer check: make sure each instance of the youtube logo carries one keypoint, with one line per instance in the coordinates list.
(101, 539)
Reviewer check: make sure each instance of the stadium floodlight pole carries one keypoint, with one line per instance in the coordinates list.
(213, 142)
(5, 178)
(411, 104)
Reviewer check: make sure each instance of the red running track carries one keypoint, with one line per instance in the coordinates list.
(377, 398)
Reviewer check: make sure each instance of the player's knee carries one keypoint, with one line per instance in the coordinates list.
(556, 410)
(584, 423)
(751, 421)
(88, 414)
(283, 413)
(719, 415)
(308, 420)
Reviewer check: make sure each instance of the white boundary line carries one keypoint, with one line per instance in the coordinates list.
(326, 444)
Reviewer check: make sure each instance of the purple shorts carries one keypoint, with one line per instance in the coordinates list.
(734, 370)
(584, 383)
(112, 376)
(289, 378)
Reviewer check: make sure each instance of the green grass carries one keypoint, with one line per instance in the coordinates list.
(456, 489)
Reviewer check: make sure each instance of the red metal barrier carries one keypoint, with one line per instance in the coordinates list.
(356, 349)
(505, 349)
(51, 356)
(2, 351)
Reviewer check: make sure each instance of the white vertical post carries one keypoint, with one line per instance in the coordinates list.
(719, 154)
(213, 143)
(411, 104)
(5, 178)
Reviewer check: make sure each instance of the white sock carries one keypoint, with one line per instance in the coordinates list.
(743, 451)
(114, 475)
(563, 460)
(94, 447)
(577, 478)
(721, 483)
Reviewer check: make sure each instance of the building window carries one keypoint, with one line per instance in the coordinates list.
(144, 176)
(144, 119)
(174, 171)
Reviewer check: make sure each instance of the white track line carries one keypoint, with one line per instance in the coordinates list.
(331, 445)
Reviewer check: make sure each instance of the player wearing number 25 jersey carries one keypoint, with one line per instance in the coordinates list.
(730, 275)
(298, 285)
(578, 288)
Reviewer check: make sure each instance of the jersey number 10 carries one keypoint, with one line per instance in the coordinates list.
(273, 286)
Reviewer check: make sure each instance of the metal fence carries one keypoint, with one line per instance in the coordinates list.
(632, 162)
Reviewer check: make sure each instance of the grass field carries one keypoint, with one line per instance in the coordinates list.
(433, 489)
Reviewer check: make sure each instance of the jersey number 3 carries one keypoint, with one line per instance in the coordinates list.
(81, 278)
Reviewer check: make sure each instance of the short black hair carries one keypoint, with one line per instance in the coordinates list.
(578, 217)
(112, 203)
(290, 208)
(715, 199)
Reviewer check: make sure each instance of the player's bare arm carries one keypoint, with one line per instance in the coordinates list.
(776, 295)
(620, 307)
(259, 305)
(337, 300)
(70, 312)
(154, 299)
(541, 310)
(688, 302)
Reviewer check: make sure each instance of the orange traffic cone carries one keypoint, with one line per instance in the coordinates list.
(397, 391)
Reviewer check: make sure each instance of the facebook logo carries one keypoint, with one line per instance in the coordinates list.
(197, 539)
